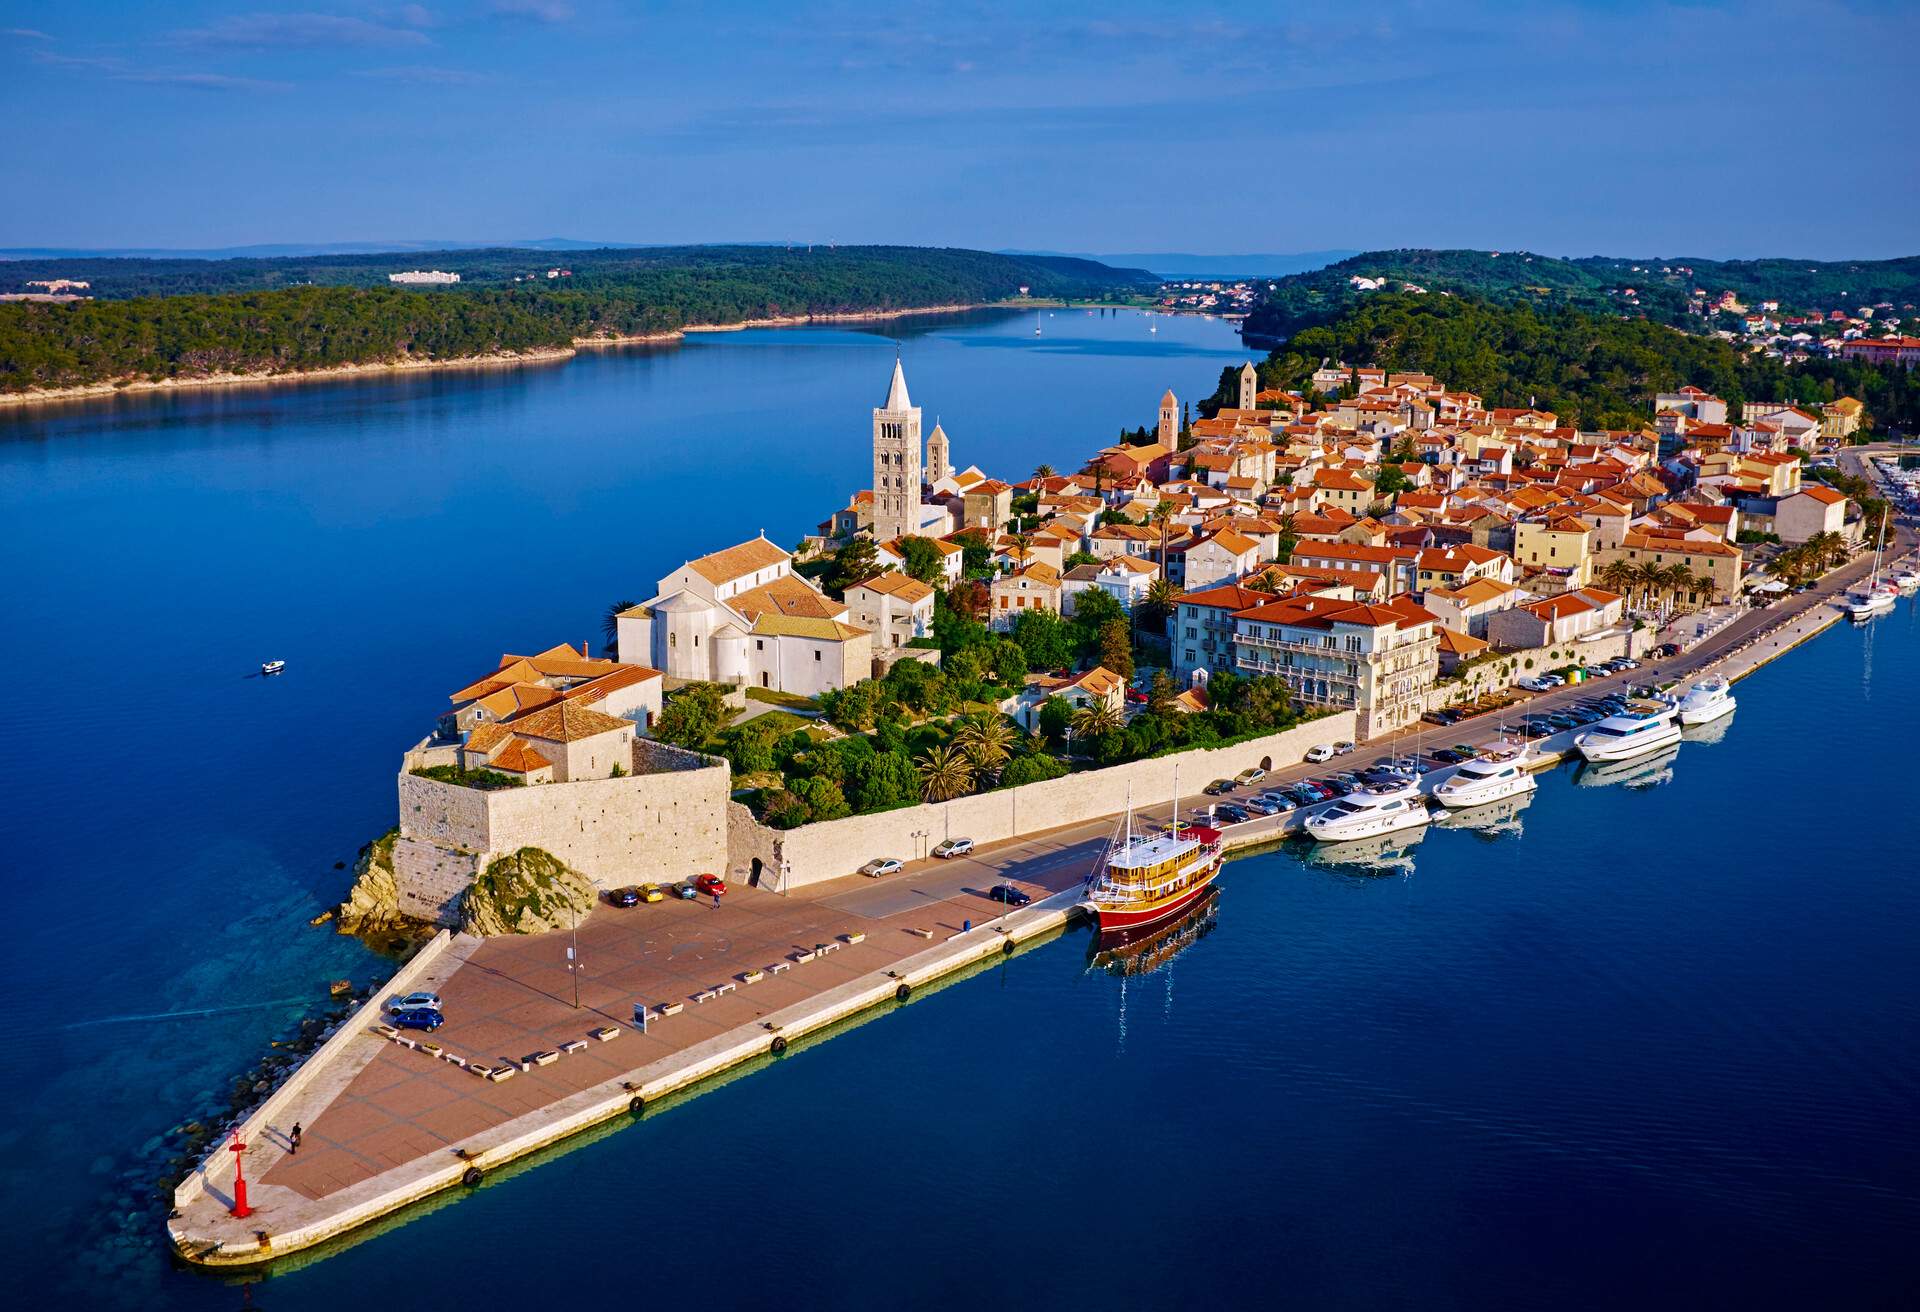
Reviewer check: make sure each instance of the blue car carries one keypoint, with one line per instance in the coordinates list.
(422, 1019)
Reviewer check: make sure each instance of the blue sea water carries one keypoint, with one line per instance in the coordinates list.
(1660, 1046)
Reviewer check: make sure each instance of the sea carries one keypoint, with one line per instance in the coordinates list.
(1653, 1039)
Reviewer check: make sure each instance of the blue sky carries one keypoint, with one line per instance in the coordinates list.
(1625, 128)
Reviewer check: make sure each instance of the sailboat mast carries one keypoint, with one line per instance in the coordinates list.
(1176, 799)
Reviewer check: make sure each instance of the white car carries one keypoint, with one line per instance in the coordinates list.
(415, 1002)
(1320, 752)
(953, 847)
(1342, 749)
(880, 866)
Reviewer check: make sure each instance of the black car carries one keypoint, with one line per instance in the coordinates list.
(1233, 815)
(624, 897)
(1448, 756)
(1217, 787)
(1007, 893)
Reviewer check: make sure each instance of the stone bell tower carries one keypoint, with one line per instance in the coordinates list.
(1249, 385)
(1169, 432)
(896, 462)
(939, 463)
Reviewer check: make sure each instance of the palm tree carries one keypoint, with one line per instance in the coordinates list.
(1790, 566)
(944, 774)
(610, 625)
(1094, 719)
(987, 742)
(1678, 580)
(1827, 550)
(1043, 471)
(1619, 576)
(1650, 578)
(1156, 608)
(1163, 516)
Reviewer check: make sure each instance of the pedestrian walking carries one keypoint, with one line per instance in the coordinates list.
(293, 1140)
(716, 900)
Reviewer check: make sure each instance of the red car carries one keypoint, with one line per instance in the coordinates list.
(710, 885)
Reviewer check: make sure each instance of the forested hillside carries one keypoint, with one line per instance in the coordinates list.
(1598, 284)
(298, 328)
(1592, 370)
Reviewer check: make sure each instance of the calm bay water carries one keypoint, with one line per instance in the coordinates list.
(1661, 1044)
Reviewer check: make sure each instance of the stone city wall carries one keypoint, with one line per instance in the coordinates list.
(666, 821)
(831, 849)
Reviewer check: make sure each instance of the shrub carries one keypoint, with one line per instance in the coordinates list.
(1031, 770)
(485, 780)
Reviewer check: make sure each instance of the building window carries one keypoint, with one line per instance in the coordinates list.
(816, 656)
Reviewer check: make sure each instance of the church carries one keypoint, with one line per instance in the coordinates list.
(901, 472)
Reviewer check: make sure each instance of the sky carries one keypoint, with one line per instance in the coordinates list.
(1641, 129)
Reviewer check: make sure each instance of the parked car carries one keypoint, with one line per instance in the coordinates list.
(1280, 802)
(1448, 756)
(1253, 774)
(710, 885)
(1007, 893)
(1232, 815)
(951, 847)
(1319, 752)
(420, 1018)
(414, 1002)
(1342, 748)
(880, 866)
(1177, 827)
(1218, 788)
(1259, 805)
(652, 893)
(624, 897)
(1628, 663)
(684, 890)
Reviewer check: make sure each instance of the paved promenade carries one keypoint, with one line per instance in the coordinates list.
(380, 1120)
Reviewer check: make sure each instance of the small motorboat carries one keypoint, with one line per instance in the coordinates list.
(272, 667)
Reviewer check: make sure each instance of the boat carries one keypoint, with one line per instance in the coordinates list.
(1143, 951)
(1497, 773)
(1906, 582)
(1147, 879)
(1707, 701)
(1644, 726)
(1640, 772)
(1371, 812)
(272, 667)
(1875, 596)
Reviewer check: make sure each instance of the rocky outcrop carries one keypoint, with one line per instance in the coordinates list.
(373, 903)
(525, 892)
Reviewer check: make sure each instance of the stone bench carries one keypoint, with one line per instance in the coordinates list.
(718, 989)
(574, 1045)
(453, 1058)
(705, 995)
(386, 1031)
(779, 967)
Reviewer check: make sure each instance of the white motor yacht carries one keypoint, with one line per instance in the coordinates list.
(1707, 701)
(1370, 813)
(1495, 774)
(1906, 581)
(1644, 726)
(272, 667)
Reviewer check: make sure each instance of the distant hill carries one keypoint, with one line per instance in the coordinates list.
(183, 319)
(1172, 265)
(598, 268)
(1597, 284)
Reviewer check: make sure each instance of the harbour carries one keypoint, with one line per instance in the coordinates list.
(1358, 1094)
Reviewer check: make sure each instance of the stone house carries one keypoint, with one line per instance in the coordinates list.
(1037, 587)
(1564, 617)
(894, 608)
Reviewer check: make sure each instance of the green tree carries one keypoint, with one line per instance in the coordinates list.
(855, 562)
(1095, 720)
(1032, 770)
(923, 560)
(693, 715)
(1056, 718)
(1045, 639)
(1116, 647)
(823, 798)
(888, 780)
(1390, 482)
(1157, 607)
(987, 740)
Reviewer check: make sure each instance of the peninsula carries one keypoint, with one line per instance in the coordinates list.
(685, 854)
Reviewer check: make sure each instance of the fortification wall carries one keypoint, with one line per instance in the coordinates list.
(835, 848)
